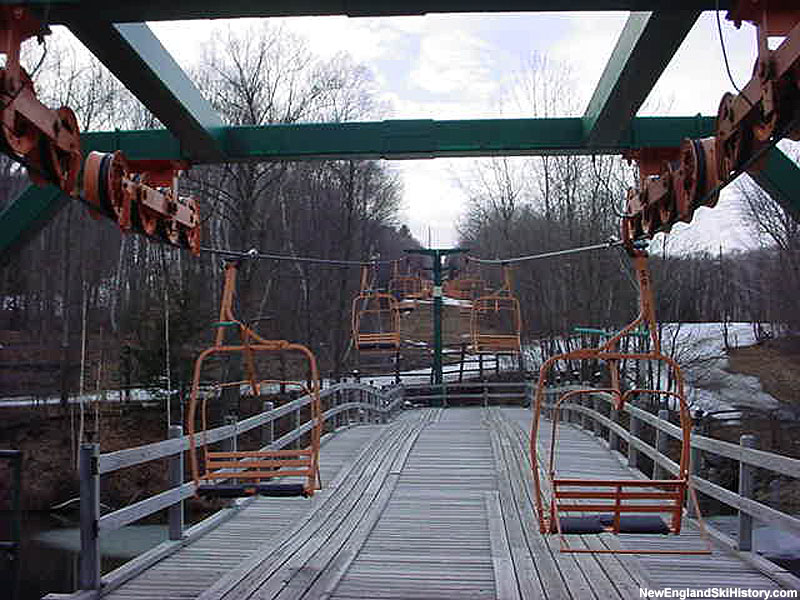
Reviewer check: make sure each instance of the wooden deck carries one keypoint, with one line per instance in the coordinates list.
(434, 505)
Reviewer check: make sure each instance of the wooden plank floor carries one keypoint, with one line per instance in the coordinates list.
(434, 505)
(432, 541)
(190, 571)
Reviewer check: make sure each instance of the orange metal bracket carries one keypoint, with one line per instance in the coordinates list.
(142, 196)
(46, 141)
(675, 182)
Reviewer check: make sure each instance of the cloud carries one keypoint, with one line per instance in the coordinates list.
(696, 79)
(454, 62)
(435, 201)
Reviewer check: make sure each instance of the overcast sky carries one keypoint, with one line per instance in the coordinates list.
(458, 67)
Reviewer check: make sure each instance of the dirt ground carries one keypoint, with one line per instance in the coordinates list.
(775, 362)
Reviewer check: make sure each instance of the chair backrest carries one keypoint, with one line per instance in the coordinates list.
(495, 324)
(376, 322)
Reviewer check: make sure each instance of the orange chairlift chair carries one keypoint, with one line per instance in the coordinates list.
(375, 318)
(465, 287)
(405, 286)
(496, 320)
(223, 474)
(590, 506)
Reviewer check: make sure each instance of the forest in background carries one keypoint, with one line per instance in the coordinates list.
(523, 206)
(79, 274)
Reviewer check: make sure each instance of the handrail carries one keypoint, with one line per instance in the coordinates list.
(130, 457)
(785, 465)
(751, 457)
(381, 404)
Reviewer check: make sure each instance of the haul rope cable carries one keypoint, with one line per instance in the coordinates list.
(254, 254)
(611, 243)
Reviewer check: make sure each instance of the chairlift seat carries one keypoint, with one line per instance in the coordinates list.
(225, 490)
(645, 524)
(584, 525)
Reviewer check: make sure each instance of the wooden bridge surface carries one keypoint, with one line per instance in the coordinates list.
(433, 505)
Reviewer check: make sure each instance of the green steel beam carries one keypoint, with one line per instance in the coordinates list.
(27, 215)
(405, 139)
(645, 46)
(779, 176)
(135, 55)
(158, 10)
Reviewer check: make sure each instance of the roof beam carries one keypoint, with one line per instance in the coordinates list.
(645, 46)
(406, 139)
(118, 11)
(779, 176)
(135, 55)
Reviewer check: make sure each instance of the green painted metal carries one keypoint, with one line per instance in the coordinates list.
(401, 139)
(135, 55)
(27, 215)
(437, 254)
(779, 176)
(644, 48)
(155, 10)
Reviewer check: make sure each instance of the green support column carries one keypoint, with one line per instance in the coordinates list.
(436, 255)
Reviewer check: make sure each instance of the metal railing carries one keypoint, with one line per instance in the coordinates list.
(595, 413)
(346, 403)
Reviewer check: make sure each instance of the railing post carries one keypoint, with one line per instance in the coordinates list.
(485, 395)
(230, 444)
(597, 428)
(444, 394)
(268, 429)
(89, 578)
(662, 444)
(746, 488)
(633, 453)
(337, 418)
(528, 395)
(582, 400)
(175, 512)
(695, 466)
(613, 438)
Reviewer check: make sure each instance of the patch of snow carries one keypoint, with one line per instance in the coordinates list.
(700, 350)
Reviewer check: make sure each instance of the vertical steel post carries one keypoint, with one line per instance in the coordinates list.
(437, 318)
(89, 576)
(746, 489)
(436, 255)
(175, 512)
(662, 445)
